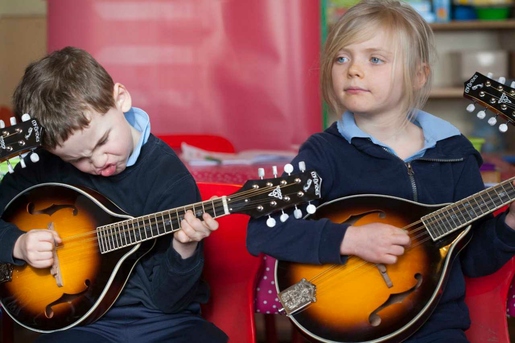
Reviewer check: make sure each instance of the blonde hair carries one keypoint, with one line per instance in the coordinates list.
(404, 26)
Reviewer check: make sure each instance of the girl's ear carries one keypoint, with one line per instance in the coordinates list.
(421, 77)
(122, 97)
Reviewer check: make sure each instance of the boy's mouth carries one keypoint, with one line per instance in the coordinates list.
(108, 170)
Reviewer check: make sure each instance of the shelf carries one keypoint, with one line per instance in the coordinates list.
(446, 93)
(474, 25)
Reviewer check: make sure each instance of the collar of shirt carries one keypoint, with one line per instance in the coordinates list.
(435, 129)
(139, 120)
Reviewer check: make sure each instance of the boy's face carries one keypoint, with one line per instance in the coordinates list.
(103, 147)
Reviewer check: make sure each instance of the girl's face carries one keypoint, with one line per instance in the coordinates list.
(103, 147)
(367, 78)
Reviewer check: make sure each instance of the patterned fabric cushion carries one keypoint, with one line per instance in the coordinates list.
(266, 293)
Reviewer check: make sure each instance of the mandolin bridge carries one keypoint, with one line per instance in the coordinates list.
(6, 272)
(297, 297)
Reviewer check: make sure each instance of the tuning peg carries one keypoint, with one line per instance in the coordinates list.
(34, 157)
(274, 171)
(10, 167)
(503, 127)
(261, 173)
(481, 114)
(311, 208)
(2, 124)
(489, 75)
(25, 117)
(270, 222)
(302, 166)
(471, 108)
(288, 169)
(22, 163)
(512, 84)
(13, 121)
(297, 213)
(284, 217)
(502, 80)
(492, 121)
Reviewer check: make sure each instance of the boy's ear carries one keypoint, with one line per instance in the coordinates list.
(122, 97)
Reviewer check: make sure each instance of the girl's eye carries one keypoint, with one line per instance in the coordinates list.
(341, 59)
(376, 60)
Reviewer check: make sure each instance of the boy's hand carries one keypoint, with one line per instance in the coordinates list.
(193, 230)
(375, 242)
(36, 247)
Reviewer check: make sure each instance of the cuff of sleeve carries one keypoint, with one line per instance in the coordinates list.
(183, 266)
(8, 241)
(505, 234)
(330, 242)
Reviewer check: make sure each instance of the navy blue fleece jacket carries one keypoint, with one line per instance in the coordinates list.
(446, 173)
(158, 181)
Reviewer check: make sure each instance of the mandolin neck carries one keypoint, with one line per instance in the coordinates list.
(457, 215)
(129, 232)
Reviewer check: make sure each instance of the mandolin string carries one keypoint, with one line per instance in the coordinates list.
(91, 236)
(417, 233)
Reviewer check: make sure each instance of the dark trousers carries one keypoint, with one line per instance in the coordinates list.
(135, 325)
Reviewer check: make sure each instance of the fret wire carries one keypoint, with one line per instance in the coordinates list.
(170, 221)
(116, 233)
(134, 233)
(154, 226)
(467, 212)
(435, 225)
(130, 233)
(126, 232)
(213, 208)
(100, 237)
(109, 236)
(147, 228)
(163, 223)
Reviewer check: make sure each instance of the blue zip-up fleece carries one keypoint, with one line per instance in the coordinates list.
(446, 173)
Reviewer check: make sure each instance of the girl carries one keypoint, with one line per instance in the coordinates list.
(376, 73)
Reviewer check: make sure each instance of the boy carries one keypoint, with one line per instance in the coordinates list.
(94, 138)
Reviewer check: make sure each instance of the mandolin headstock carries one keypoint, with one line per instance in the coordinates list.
(19, 139)
(492, 95)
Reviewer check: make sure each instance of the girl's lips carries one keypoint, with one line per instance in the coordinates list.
(355, 90)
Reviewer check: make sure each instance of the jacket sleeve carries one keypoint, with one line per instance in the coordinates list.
(174, 282)
(301, 240)
(11, 186)
(493, 242)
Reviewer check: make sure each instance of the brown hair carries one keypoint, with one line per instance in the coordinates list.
(59, 88)
(406, 29)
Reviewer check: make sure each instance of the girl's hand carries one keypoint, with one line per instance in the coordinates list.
(375, 242)
(36, 247)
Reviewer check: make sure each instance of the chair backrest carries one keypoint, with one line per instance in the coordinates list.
(487, 299)
(204, 141)
(230, 271)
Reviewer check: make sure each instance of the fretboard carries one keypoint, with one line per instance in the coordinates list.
(455, 216)
(136, 230)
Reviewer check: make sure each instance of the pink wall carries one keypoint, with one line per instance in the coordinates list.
(247, 70)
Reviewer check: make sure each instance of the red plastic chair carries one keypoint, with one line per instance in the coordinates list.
(487, 299)
(231, 272)
(204, 141)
